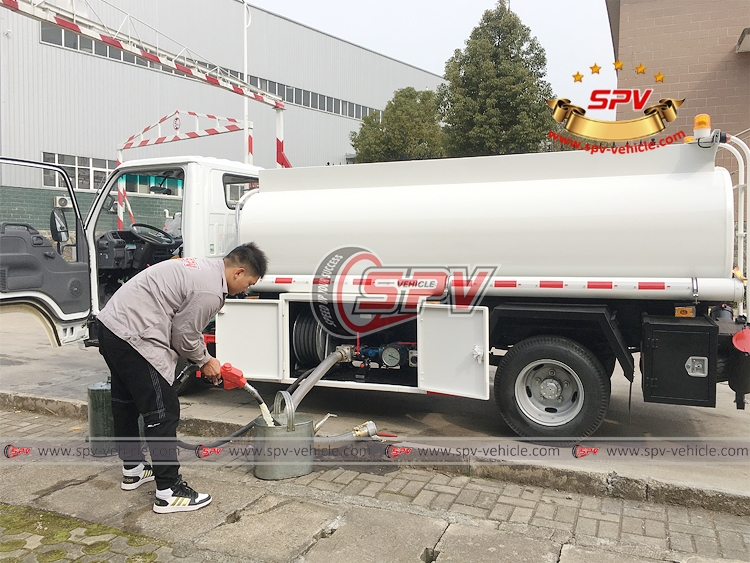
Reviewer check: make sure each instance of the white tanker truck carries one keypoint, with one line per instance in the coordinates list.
(551, 266)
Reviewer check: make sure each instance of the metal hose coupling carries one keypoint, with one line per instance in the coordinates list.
(365, 430)
(346, 351)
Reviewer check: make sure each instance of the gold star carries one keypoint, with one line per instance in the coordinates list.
(595, 69)
(578, 77)
(618, 64)
(640, 69)
(659, 77)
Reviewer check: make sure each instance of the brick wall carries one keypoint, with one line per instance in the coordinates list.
(33, 206)
(692, 44)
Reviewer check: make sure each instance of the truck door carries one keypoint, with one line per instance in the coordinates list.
(44, 258)
(221, 230)
(453, 351)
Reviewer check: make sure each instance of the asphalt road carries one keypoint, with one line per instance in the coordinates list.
(28, 364)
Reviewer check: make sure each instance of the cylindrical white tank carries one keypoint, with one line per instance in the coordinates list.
(674, 223)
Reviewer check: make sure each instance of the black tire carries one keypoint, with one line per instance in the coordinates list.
(550, 386)
(185, 381)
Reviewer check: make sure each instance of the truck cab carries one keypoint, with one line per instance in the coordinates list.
(64, 271)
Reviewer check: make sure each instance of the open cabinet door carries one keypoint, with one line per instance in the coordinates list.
(44, 259)
(454, 351)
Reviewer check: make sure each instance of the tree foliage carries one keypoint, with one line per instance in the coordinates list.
(409, 129)
(494, 99)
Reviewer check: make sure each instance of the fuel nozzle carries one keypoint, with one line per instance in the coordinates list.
(233, 378)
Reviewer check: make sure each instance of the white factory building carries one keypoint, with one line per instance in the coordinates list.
(72, 100)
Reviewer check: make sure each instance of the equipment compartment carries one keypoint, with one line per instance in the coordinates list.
(679, 360)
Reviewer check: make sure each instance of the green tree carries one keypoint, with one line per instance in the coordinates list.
(494, 99)
(409, 129)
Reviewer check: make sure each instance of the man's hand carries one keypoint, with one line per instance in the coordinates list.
(211, 370)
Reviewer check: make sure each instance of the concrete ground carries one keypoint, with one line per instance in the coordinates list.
(382, 512)
(29, 365)
(53, 511)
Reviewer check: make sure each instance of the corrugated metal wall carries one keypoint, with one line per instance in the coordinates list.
(69, 102)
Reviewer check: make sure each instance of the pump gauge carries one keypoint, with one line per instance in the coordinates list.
(394, 355)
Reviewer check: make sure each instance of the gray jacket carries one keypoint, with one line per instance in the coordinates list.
(163, 309)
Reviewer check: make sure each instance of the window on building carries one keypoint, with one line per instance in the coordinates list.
(100, 49)
(85, 173)
(86, 45)
(55, 35)
(51, 34)
(114, 53)
(70, 39)
(49, 179)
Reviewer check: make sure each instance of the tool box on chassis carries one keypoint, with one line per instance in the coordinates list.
(554, 267)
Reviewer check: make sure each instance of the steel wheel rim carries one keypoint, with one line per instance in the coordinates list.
(549, 393)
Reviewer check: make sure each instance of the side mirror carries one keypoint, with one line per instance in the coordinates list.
(58, 226)
(110, 204)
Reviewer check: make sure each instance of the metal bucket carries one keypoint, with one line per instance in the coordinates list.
(285, 451)
(101, 423)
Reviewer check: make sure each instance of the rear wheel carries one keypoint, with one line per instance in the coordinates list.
(549, 386)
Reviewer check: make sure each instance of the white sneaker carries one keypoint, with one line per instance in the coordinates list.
(133, 482)
(181, 499)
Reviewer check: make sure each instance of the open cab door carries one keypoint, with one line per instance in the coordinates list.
(44, 258)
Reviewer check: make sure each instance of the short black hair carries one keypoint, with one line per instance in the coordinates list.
(250, 257)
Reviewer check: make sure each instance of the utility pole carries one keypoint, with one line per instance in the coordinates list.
(248, 142)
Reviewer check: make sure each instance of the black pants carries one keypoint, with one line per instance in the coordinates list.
(137, 388)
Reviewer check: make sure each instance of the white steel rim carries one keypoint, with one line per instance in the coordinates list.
(549, 393)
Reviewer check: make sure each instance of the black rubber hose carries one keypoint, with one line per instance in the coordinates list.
(293, 387)
(221, 442)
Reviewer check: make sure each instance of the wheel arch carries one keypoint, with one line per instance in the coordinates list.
(592, 326)
(37, 310)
